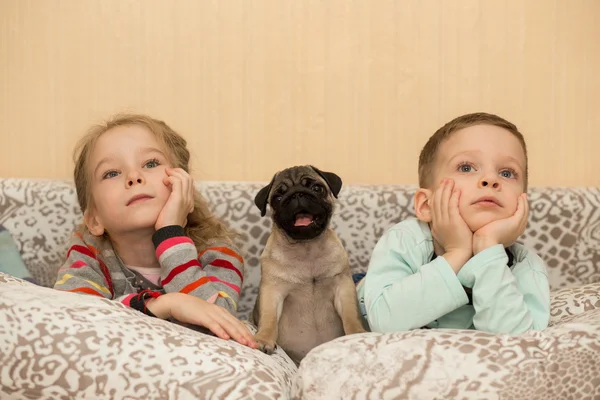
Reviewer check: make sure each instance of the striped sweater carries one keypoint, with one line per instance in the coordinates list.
(214, 274)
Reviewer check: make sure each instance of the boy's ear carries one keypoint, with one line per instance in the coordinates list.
(93, 223)
(422, 209)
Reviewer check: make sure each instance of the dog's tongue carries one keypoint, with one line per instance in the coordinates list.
(303, 220)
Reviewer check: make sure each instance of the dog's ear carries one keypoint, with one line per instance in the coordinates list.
(333, 181)
(262, 197)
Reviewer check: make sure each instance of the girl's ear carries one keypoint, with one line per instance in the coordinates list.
(93, 223)
(422, 207)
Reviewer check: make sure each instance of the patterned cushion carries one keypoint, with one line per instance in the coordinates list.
(561, 362)
(58, 345)
(570, 302)
(564, 226)
(10, 257)
(40, 216)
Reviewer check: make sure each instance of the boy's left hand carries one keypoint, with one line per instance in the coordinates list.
(181, 199)
(503, 231)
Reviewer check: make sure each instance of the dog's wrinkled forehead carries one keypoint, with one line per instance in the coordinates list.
(295, 176)
(305, 176)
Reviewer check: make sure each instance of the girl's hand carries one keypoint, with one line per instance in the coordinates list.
(192, 310)
(181, 199)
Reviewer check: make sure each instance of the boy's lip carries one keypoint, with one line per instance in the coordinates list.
(138, 197)
(487, 201)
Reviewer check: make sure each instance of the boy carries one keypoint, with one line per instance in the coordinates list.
(457, 264)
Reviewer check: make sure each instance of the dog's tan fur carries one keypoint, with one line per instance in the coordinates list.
(307, 296)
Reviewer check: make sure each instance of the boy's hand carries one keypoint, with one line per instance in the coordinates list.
(448, 227)
(192, 310)
(503, 231)
(181, 199)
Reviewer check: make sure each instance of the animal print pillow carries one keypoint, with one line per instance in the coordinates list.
(59, 345)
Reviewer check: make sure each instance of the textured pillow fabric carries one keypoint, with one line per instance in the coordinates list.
(560, 362)
(59, 345)
(11, 262)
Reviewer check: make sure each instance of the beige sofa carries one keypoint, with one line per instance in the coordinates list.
(56, 345)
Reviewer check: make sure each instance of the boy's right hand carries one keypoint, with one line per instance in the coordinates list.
(448, 227)
(192, 310)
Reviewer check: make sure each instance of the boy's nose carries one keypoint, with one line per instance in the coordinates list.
(487, 183)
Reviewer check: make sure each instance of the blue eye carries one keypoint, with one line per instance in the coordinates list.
(465, 168)
(507, 174)
(110, 174)
(152, 163)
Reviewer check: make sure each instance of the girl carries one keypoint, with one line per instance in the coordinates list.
(148, 239)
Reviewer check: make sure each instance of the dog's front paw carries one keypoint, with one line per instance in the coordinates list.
(358, 329)
(265, 345)
(354, 327)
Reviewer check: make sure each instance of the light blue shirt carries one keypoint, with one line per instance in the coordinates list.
(404, 289)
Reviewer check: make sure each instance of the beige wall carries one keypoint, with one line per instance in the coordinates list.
(352, 86)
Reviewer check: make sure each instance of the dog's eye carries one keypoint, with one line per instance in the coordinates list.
(277, 198)
(317, 189)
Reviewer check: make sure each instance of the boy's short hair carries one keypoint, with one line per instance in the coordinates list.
(429, 152)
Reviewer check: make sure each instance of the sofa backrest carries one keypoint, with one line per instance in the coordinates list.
(564, 225)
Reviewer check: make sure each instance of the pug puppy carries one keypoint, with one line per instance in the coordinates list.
(306, 296)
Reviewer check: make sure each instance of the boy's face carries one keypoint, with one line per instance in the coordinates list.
(487, 164)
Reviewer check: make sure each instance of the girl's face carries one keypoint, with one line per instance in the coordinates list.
(126, 170)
